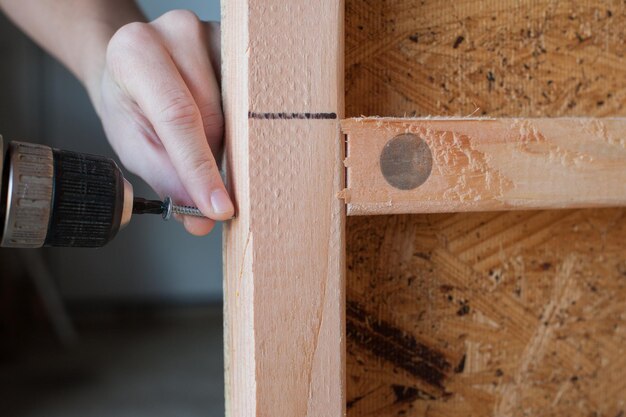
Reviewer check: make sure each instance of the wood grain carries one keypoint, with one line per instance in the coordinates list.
(284, 253)
(486, 314)
(490, 164)
(489, 314)
(485, 58)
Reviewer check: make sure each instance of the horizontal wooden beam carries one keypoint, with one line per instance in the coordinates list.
(406, 165)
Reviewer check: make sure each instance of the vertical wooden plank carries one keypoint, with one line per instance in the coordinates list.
(284, 254)
(239, 352)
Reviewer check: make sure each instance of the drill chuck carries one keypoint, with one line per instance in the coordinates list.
(52, 197)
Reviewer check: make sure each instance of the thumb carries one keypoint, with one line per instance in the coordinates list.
(142, 65)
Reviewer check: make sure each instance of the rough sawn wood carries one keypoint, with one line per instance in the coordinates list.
(485, 164)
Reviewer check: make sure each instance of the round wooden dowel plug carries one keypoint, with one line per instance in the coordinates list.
(406, 161)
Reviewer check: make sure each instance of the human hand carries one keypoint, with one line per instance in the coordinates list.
(159, 101)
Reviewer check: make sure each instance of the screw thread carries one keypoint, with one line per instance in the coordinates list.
(170, 208)
(187, 210)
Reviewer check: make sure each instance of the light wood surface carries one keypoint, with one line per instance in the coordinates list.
(487, 164)
(486, 314)
(284, 253)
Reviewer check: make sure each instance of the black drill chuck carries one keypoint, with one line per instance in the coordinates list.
(87, 200)
(52, 197)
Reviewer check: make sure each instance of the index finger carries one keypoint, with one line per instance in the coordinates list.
(141, 65)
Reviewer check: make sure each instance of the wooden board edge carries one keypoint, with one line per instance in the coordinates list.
(483, 164)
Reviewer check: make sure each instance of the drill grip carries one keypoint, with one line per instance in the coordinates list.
(87, 200)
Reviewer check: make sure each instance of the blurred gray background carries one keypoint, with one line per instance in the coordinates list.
(42, 102)
(144, 337)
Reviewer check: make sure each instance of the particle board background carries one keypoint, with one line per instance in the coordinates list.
(486, 314)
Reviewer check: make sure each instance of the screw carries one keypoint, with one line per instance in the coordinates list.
(170, 208)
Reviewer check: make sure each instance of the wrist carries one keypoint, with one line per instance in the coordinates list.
(91, 65)
(99, 32)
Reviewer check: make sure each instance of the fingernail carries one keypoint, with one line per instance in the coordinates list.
(221, 202)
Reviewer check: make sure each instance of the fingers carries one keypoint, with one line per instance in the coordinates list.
(182, 27)
(173, 188)
(144, 68)
(198, 226)
(168, 185)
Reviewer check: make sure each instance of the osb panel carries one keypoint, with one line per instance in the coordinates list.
(517, 313)
(480, 57)
(487, 314)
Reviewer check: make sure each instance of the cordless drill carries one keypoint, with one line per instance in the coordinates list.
(52, 197)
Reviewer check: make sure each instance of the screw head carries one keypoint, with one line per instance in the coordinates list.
(167, 208)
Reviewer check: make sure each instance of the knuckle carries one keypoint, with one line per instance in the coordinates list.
(179, 111)
(204, 169)
(181, 20)
(212, 116)
(128, 39)
(204, 166)
(131, 35)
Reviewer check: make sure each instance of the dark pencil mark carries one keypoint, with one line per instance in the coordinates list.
(395, 346)
(255, 115)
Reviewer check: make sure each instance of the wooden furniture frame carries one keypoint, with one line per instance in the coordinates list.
(284, 254)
